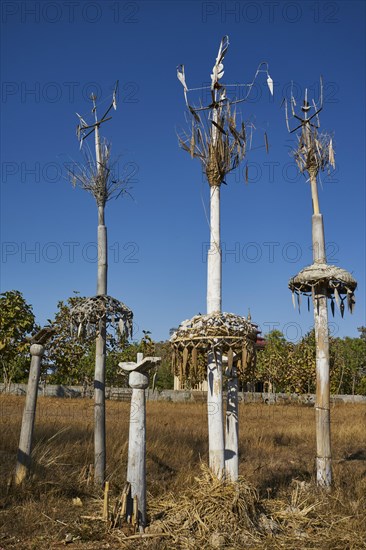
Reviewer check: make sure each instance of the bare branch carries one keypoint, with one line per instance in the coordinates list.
(101, 180)
(314, 151)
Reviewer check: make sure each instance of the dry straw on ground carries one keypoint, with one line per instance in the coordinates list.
(210, 510)
(216, 514)
(276, 506)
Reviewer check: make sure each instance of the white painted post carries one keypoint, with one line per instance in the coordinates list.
(214, 367)
(136, 466)
(232, 427)
(29, 413)
(216, 441)
(215, 414)
(214, 286)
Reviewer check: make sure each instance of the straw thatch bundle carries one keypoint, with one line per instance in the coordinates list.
(314, 279)
(314, 152)
(216, 138)
(92, 310)
(210, 513)
(230, 334)
(223, 153)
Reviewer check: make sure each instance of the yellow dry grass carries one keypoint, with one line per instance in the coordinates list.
(275, 505)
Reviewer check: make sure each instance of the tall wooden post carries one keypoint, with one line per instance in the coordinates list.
(214, 366)
(312, 154)
(100, 348)
(99, 406)
(232, 427)
(100, 183)
(322, 405)
(216, 441)
(136, 466)
(29, 413)
(219, 156)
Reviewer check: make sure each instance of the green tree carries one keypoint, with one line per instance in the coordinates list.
(301, 373)
(348, 365)
(119, 352)
(69, 359)
(292, 367)
(273, 361)
(165, 376)
(17, 321)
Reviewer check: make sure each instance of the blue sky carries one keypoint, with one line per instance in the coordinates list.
(54, 54)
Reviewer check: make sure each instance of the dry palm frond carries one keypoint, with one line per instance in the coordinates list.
(314, 152)
(230, 334)
(215, 138)
(99, 178)
(296, 515)
(219, 144)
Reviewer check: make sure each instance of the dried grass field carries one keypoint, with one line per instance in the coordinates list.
(275, 505)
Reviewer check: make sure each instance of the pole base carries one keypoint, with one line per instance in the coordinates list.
(324, 472)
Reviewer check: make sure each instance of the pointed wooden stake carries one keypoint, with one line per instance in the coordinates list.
(106, 500)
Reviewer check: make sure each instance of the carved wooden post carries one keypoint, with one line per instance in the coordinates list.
(29, 413)
(313, 153)
(101, 184)
(232, 427)
(236, 336)
(26, 433)
(100, 458)
(214, 366)
(220, 146)
(322, 407)
(136, 467)
(99, 406)
(322, 404)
